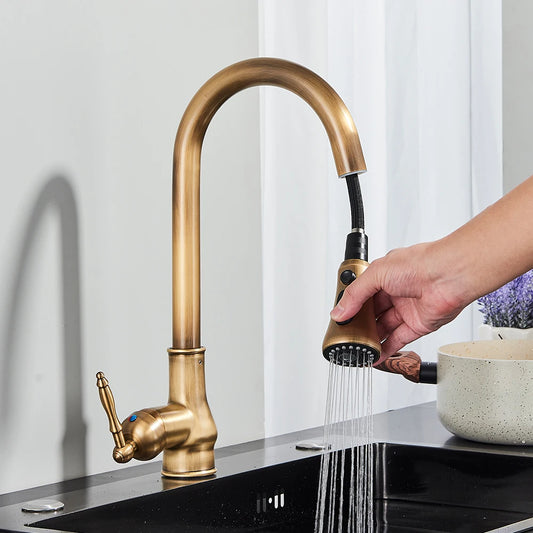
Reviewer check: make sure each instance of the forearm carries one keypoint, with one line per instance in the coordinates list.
(492, 248)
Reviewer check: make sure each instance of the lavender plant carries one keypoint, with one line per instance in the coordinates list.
(510, 306)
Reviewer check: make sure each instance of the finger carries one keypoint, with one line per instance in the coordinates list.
(401, 336)
(355, 295)
(382, 303)
(388, 322)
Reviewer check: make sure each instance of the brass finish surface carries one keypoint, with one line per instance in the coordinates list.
(331, 110)
(108, 402)
(184, 429)
(362, 328)
(145, 433)
(195, 456)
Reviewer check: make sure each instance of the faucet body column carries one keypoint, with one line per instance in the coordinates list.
(194, 456)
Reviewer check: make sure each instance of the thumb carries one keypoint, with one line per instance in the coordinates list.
(355, 295)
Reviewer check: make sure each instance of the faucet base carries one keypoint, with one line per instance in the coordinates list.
(190, 475)
(187, 463)
(195, 457)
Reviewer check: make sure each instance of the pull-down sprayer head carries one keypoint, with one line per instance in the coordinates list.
(354, 342)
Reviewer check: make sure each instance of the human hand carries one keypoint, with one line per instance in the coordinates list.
(413, 295)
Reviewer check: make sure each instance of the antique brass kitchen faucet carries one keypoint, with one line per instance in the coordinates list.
(184, 429)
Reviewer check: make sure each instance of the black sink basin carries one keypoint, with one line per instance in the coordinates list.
(416, 489)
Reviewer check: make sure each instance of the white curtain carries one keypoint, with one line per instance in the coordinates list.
(419, 83)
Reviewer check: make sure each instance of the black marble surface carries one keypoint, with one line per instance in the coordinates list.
(415, 426)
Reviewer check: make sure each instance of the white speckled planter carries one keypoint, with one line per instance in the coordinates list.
(485, 390)
(487, 332)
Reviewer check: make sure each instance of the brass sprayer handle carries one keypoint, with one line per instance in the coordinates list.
(123, 451)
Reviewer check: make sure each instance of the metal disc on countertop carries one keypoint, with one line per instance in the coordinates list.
(42, 506)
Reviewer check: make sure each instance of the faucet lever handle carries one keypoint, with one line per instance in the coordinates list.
(123, 451)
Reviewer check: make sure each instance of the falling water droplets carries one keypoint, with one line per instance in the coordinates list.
(345, 502)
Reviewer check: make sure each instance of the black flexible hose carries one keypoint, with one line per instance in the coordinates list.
(356, 240)
(356, 201)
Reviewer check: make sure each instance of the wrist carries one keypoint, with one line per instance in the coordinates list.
(453, 272)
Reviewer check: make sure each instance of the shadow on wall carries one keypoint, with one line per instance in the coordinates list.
(57, 194)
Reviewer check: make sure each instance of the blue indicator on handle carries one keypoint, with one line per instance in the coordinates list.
(133, 418)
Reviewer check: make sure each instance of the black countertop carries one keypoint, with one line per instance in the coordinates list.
(416, 425)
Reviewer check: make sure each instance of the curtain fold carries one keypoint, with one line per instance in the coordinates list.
(404, 69)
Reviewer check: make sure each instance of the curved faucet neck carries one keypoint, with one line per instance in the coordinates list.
(327, 104)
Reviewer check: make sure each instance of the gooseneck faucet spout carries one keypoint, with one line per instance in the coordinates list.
(331, 110)
(184, 429)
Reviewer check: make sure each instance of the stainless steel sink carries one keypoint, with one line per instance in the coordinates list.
(417, 488)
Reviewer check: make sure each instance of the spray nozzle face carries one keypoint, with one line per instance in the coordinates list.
(351, 354)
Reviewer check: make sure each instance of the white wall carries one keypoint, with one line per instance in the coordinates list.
(91, 97)
(486, 103)
(517, 91)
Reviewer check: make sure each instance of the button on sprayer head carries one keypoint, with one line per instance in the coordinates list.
(354, 342)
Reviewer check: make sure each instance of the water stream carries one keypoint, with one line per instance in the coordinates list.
(345, 492)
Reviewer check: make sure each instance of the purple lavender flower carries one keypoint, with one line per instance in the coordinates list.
(510, 306)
